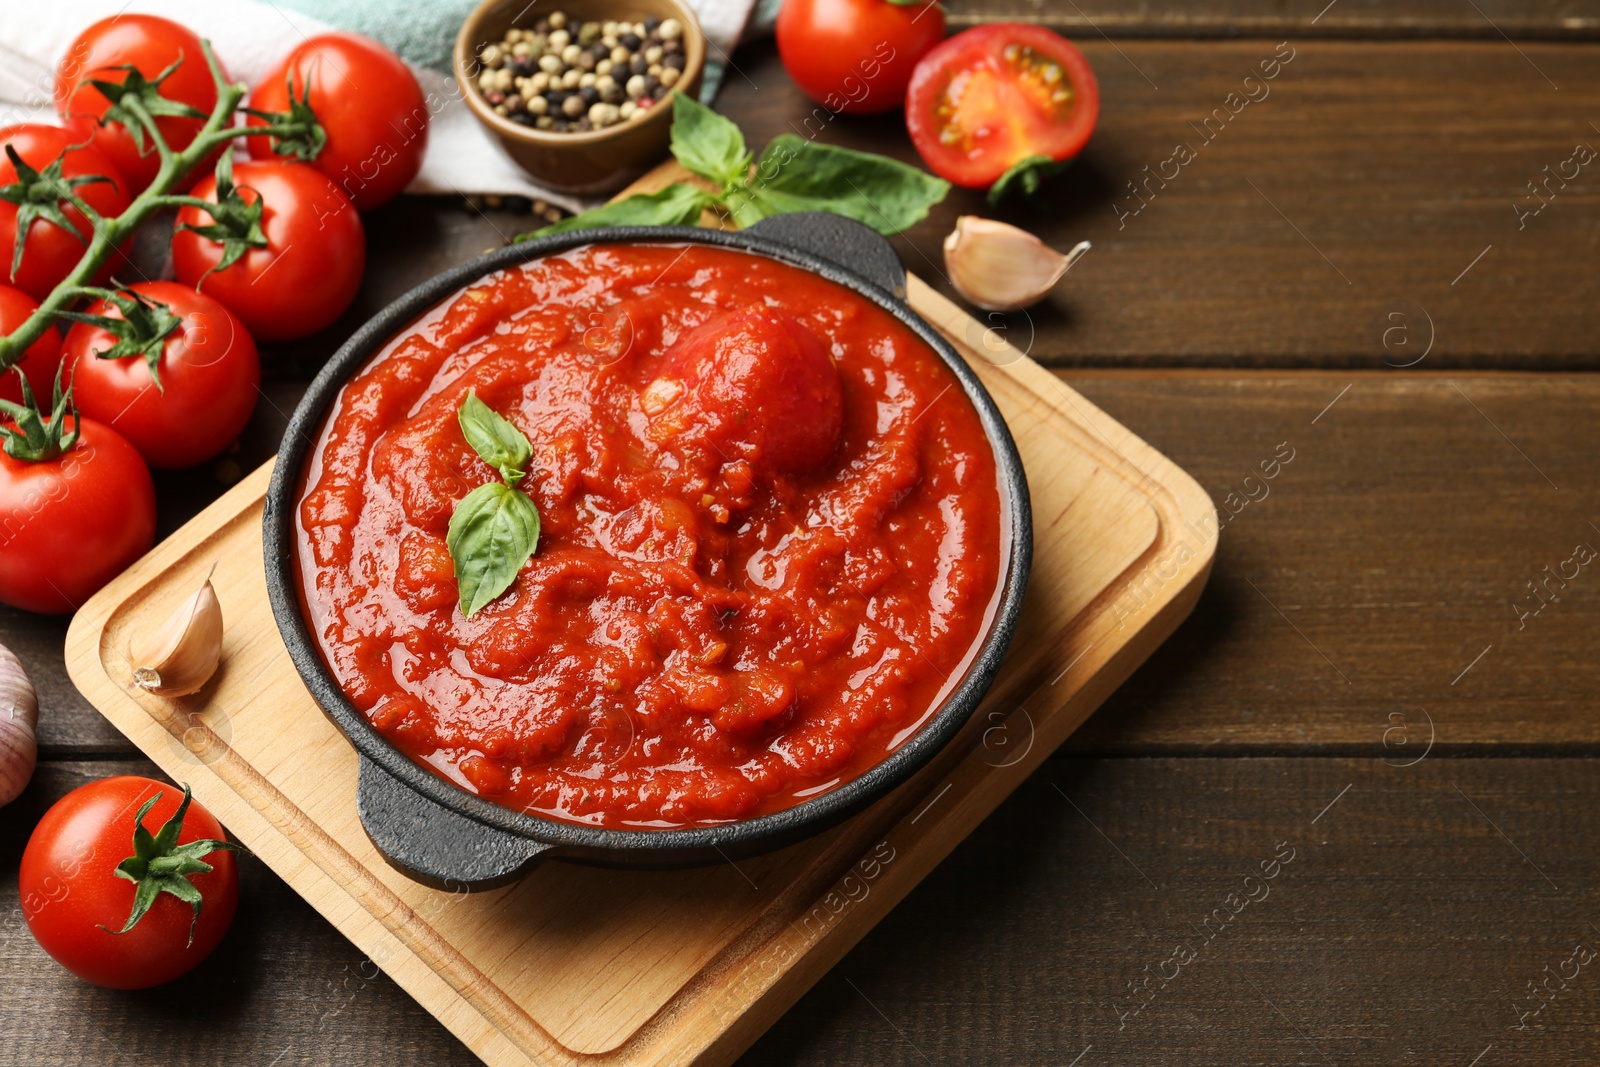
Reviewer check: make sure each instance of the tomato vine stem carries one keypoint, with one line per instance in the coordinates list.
(110, 233)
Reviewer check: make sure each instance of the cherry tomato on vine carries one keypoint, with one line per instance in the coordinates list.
(77, 506)
(88, 917)
(184, 378)
(997, 96)
(159, 50)
(856, 56)
(40, 360)
(56, 233)
(365, 115)
(289, 246)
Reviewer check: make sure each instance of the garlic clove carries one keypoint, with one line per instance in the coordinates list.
(999, 267)
(180, 656)
(19, 718)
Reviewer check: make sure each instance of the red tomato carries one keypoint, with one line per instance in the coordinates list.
(995, 95)
(70, 524)
(151, 45)
(50, 252)
(309, 271)
(40, 361)
(72, 897)
(856, 56)
(366, 100)
(209, 378)
(752, 385)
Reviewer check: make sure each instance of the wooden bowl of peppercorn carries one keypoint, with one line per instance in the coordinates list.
(581, 109)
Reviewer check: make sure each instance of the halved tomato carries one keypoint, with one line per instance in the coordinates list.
(997, 97)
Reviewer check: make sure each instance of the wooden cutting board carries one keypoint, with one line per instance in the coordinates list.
(580, 966)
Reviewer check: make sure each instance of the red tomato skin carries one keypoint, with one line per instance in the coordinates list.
(39, 361)
(762, 387)
(367, 101)
(151, 44)
(70, 889)
(210, 378)
(311, 268)
(50, 252)
(856, 56)
(70, 524)
(981, 47)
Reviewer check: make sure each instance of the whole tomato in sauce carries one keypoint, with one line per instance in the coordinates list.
(749, 385)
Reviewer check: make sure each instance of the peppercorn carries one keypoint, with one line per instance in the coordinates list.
(566, 76)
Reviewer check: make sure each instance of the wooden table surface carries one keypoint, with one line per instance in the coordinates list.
(1369, 687)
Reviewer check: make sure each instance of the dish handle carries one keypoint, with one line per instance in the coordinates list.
(846, 243)
(433, 845)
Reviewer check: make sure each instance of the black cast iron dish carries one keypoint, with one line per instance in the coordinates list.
(443, 835)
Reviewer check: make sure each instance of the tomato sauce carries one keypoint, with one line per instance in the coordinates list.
(771, 537)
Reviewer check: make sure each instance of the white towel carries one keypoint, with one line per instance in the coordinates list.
(251, 37)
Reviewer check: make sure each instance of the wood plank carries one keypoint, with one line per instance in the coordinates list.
(1547, 19)
(1364, 186)
(1405, 927)
(1380, 564)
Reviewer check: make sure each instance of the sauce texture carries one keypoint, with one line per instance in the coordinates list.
(771, 537)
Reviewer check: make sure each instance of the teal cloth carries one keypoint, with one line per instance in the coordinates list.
(424, 31)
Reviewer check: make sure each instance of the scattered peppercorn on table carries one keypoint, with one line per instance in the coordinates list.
(1347, 813)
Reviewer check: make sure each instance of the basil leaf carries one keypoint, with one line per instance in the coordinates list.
(492, 533)
(676, 205)
(502, 445)
(707, 143)
(799, 175)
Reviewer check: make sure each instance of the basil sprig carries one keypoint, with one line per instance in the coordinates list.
(792, 174)
(495, 528)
